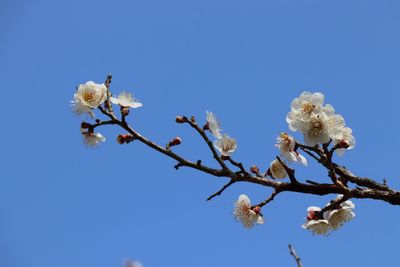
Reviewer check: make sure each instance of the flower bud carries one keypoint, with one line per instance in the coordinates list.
(254, 169)
(174, 142)
(124, 138)
(124, 111)
(181, 119)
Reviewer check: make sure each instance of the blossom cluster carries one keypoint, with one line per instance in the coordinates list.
(90, 96)
(322, 223)
(319, 123)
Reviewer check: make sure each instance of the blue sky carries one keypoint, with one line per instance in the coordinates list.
(64, 205)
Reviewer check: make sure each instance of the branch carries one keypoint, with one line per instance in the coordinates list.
(271, 197)
(193, 124)
(294, 254)
(107, 103)
(364, 188)
(219, 192)
(289, 171)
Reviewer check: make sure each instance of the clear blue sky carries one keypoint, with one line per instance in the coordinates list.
(63, 205)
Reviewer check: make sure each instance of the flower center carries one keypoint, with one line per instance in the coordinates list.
(88, 96)
(315, 127)
(308, 108)
(227, 145)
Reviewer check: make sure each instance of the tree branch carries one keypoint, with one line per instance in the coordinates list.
(219, 192)
(294, 254)
(364, 188)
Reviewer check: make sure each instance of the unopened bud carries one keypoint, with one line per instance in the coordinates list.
(124, 111)
(174, 142)
(254, 169)
(181, 119)
(124, 138)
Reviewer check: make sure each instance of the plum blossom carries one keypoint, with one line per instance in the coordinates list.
(245, 214)
(277, 170)
(226, 145)
(89, 96)
(340, 214)
(214, 125)
(345, 141)
(319, 124)
(126, 100)
(286, 145)
(315, 223)
(302, 108)
(92, 139)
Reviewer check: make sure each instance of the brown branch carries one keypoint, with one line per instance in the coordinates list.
(334, 203)
(169, 153)
(219, 192)
(194, 125)
(365, 188)
(269, 199)
(374, 191)
(294, 254)
(366, 182)
(239, 165)
(107, 103)
(289, 171)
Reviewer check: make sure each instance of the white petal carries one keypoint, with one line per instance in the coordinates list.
(302, 159)
(317, 98)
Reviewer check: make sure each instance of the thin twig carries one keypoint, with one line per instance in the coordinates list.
(294, 254)
(239, 165)
(208, 141)
(219, 192)
(108, 102)
(269, 199)
(289, 171)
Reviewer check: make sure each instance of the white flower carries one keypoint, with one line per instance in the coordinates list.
(302, 108)
(226, 145)
(247, 216)
(340, 214)
(286, 145)
(89, 96)
(335, 122)
(278, 171)
(315, 130)
(126, 100)
(214, 125)
(346, 139)
(315, 223)
(92, 139)
(319, 124)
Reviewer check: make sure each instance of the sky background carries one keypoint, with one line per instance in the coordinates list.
(64, 205)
